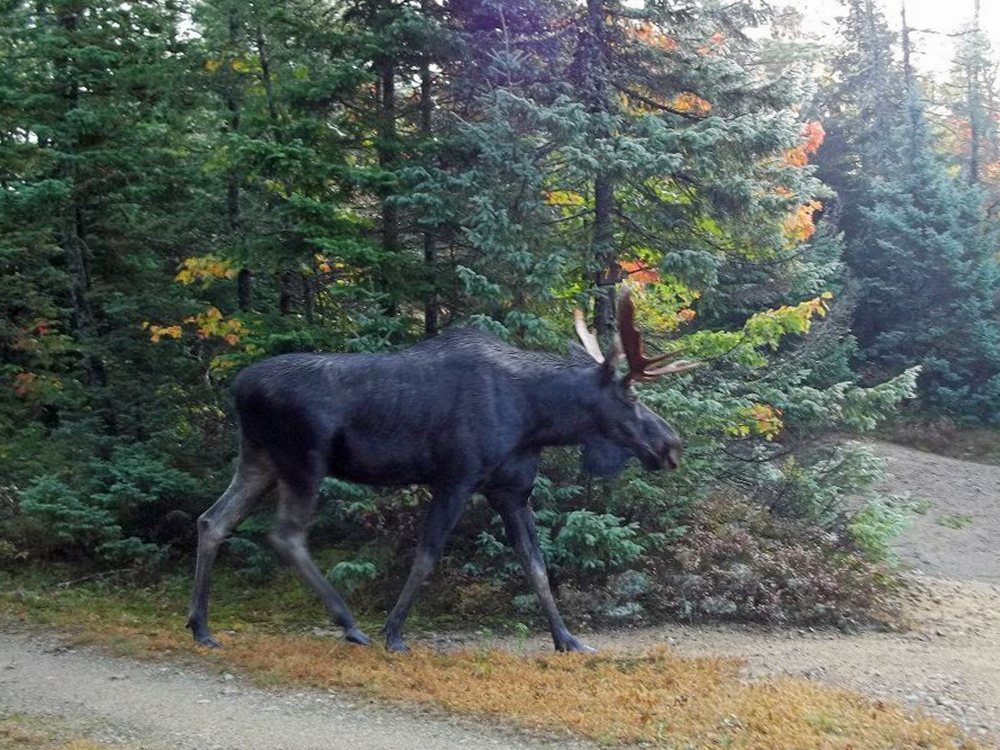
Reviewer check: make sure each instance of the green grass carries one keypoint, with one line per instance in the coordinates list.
(955, 520)
(278, 604)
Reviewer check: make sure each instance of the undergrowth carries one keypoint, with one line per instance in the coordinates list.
(945, 437)
(655, 698)
(739, 561)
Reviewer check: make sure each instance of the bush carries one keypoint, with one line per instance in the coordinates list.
(124, 511)
(595, 543)
(741, 561)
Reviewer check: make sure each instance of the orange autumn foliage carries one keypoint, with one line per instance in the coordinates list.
(690, 103)
(158, 333)
(813, 135)
(204, 269)
(799, 226)
(23, 383)
(714, 43)
(211, 323)
(640, 272)
(646, 33)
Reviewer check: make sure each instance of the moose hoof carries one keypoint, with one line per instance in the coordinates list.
(573, 646)
(396, 646)
(354, 635)
(207, 641)
(203, 636)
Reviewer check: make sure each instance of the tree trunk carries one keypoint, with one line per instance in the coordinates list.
(234, 218)
(73, 233)
(603, 248)
(975, 106)
(387, 151)
(594, 74)
(912, 105)
(286, 292)
(430, 243)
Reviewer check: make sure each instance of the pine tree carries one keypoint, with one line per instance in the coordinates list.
(971, 99)
(921, 265)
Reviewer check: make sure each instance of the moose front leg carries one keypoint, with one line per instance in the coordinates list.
(519, 522)
(442, 515)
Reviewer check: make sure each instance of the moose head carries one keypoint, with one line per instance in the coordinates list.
(625, 426)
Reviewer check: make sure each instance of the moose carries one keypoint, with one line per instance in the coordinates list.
(462, 413)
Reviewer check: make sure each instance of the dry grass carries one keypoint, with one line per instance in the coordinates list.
(657, 698)
(18, 733)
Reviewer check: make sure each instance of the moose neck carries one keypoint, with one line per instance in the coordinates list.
(560, 397)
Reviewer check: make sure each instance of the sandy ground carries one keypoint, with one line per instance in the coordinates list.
(958, 533)
(947, 663)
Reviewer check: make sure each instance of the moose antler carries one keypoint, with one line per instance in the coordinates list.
(590, 343)
(640, 368)
(587, 337)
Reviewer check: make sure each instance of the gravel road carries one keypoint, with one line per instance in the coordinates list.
(948, 664)
(150, 705)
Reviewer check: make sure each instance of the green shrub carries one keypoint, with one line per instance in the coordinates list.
(124, 511)
(349, 575)
(595, 543)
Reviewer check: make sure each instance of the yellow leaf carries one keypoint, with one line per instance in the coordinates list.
(563, 198)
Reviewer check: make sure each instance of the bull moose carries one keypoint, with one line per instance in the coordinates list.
(461, 413)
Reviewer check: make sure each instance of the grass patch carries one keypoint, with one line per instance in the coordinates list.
(22, 732)
(657, 698)
(955, 520)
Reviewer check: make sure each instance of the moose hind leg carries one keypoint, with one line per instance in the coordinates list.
(295, 508)
(253, 478)
(519, 523)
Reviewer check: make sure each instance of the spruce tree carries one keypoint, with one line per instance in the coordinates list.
(920, 258)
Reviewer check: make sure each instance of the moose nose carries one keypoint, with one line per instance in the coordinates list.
(674, 456)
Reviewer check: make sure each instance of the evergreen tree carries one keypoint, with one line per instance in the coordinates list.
(94, 117)
(924, 278)
(188, 190)
(970, 96)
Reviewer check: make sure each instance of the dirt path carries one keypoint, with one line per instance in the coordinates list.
(153, 706)
(957, 535)
(949, 663)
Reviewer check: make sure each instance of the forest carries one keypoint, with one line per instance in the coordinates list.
(189, 186)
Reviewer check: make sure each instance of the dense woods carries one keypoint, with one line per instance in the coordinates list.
(188, 187)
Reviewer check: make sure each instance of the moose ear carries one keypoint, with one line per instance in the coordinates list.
(613, 357)
(609, 373)
(579, 355)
